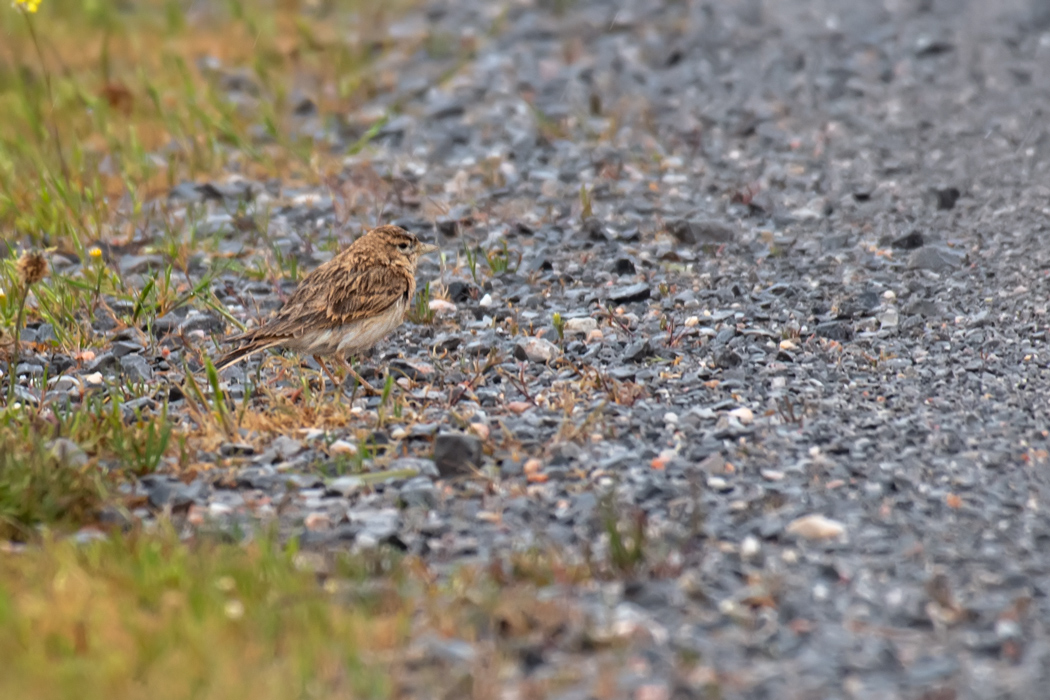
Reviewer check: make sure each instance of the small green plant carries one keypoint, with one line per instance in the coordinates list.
(559, 325)
(384, 399)
(586, 210)
(219, 411)
(421, 312)
(142, 444)
(40, 486)
(626, 539)
(499, 260)
(471, 253)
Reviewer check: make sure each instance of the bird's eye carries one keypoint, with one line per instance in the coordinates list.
(403, 246)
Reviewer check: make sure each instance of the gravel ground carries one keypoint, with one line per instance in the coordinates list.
(803, 301)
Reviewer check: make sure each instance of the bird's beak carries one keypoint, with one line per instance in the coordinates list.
(425, 248)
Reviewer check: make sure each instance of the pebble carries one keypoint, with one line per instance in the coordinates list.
(889, 318)
(629, 294)
(717, 483)
(638, 350)
(743, 414)
(286, 447)
(750, 547)
(66, 383)
(342, 447)
(457, 454)
(419, 492)
(713, 464)
(537, 350)
(67, 452)
(442, 307)
(346, 485)
(580, 326)
(816, 527)
(135, 368)
(317, 521)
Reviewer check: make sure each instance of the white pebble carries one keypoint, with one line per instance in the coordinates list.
(816, 527)
(440, 306)
(820, 592)
(743, 414)
(579, 326)
(346, 485)
(342, 447)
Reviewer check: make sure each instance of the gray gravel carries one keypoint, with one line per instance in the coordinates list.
(809, 279)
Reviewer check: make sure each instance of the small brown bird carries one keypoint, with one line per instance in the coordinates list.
(346, 305)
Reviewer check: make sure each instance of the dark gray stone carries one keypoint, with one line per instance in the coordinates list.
(698, 232)
(135, 368)
(457, 454)
(937, 258)
(629, 294)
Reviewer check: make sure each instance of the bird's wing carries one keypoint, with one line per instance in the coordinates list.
(359, 294)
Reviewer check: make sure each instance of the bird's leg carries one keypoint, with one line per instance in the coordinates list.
(329, 373)
(360, 380)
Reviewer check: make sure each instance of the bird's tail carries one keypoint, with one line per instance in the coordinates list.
(250, 347)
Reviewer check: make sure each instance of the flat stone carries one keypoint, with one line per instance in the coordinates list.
(579, 326)
(125, 347)
(840, 331)
(419, 492)
(346, 485)
(630, 293)
(700, 231)
(936, 258)
(67, 452)
(286, 447)
(24, 369)
(638, 350)
(136, 368)
(423, 467)
(457, 454)
(538, 350)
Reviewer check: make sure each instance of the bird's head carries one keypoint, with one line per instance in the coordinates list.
(398, 244)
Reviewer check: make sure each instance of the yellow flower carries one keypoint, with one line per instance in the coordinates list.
(29, 6)
(95, 252)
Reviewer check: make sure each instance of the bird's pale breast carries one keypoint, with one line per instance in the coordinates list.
(352, 338)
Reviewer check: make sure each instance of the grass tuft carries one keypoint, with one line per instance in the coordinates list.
(150, 616)
(41, 485)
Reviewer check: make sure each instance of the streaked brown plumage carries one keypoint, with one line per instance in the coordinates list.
(346, 305)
